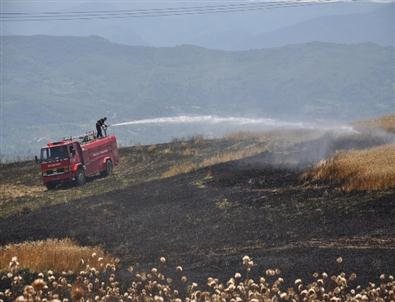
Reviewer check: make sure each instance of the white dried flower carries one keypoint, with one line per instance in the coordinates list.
(20, 299)
(246, 259)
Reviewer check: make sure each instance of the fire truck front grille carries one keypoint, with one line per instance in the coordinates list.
(57, 171)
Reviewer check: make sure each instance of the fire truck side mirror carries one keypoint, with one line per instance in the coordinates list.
(36, 159)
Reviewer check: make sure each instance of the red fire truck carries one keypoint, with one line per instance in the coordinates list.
(72, 160)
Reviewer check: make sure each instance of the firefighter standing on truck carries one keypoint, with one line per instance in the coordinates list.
(99, 125)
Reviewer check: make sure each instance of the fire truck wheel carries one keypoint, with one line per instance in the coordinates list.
(80, 177)
(50, 186)
(108, 171)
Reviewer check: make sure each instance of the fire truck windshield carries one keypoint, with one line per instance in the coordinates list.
(54, 153)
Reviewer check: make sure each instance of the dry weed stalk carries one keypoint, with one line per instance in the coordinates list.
(91, 284)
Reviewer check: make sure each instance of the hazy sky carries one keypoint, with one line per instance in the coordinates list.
(199, 29)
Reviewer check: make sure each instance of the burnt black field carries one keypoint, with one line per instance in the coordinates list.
(207, 220)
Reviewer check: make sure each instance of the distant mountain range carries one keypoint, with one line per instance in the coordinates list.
(56, 82)
(377, 26)
(341, 22)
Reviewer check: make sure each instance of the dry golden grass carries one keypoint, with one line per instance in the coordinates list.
(369, 169)
(223, 157)
(9, 192)
(180, 169)
(244, 135)
(57, 255)
(232, 155)
(167, 151)
(189, 152)
(152, 148)
(198, 139)
(386, 122)
(223, 204)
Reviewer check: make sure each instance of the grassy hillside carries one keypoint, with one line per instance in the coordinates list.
(51, 84)
(21, 188)
(204, 204)
(62, 72)
(386, 123)
(224, 205)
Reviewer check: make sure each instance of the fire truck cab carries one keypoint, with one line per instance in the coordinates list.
(72, 160)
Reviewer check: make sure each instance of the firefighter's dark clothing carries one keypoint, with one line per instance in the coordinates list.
(99, 124)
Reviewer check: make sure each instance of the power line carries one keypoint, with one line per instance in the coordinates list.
(154, 12)
(150, 9)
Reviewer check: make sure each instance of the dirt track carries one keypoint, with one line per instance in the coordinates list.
(207, 220)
